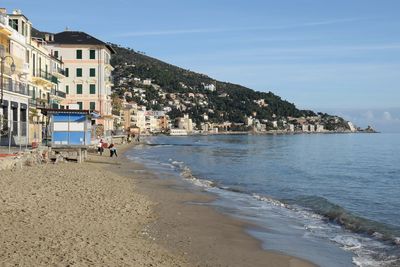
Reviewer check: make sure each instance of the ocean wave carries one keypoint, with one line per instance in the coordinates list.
(348, 220)
(323, 219)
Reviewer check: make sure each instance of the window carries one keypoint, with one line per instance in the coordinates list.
(78, 54)
(79, 89)
(27, 56)
(92, 106)
(93, 72)
(66, 72)
(79, 72)
(80, 105)
(56, 54)
(67, 89)
(14, 24)
(92, 89)
(92, 54)
(23, 28)
(34, 64)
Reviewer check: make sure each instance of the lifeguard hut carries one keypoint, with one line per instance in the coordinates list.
(70, 132)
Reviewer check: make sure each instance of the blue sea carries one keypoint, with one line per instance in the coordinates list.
(333, 199)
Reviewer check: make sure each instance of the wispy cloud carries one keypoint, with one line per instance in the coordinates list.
(238, 29)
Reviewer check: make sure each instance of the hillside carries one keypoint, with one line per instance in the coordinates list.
(181, 91)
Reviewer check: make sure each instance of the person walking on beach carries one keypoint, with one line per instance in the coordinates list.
(113, 150)
(100, 148)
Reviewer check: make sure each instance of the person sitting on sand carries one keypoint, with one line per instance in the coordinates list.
(113, 150)
(100, 148)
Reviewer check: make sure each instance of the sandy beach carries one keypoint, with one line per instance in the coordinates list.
(114, 212)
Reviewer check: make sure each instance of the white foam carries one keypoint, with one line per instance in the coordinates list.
(347, 241)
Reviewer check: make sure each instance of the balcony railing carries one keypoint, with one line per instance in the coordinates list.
(61, 71)
(58, 93)
(44, 75)
(16, 87)
(38, 103)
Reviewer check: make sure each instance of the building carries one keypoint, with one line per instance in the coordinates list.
(319, 128)
(14, 102)
(351, 127)
(210, 87)
(40, 73)
(185, 123)
(88, 73)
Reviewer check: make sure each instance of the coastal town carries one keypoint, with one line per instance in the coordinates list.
(111, 156)
(72, 70)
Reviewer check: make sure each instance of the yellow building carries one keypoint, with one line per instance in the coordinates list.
(34, 84)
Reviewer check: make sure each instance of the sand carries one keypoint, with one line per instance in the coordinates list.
(113, 212)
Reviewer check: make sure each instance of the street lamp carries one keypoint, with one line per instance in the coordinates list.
(13, 67)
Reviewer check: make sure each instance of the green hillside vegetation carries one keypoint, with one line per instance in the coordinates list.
(230, 102)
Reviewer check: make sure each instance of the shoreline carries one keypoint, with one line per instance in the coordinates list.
(113, 212)
(267, 133)
(192, 228)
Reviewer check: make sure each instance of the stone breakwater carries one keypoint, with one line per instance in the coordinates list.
(21, 159)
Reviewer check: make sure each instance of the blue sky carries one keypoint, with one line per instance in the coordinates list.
(340, 56)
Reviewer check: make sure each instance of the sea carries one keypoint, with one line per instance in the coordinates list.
(333, 199)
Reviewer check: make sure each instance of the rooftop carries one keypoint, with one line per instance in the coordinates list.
(70, 38)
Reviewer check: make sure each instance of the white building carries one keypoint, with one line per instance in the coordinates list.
(147, 82)
(210, 87)
(319, 128)
(14, 39)
(351, 126)
(185, 123)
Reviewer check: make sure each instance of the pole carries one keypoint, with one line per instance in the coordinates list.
(9, 136)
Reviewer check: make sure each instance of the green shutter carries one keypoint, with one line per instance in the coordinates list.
(78, 72)
(78, 54)
(92, 54)
(79, 89)
(80, 105)
(92, 106)
(93, 72)
(66, 72)
(56, 54)
(92, 89)
(67, 89)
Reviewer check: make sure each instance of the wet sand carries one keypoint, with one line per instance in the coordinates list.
(114, 212)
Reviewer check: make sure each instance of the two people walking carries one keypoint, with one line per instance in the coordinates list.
(101, 145)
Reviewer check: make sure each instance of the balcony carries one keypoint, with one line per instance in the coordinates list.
(61, 94)
(15, 87)
(38, 103)
(58, 94)
(43, 78)
(59, 73)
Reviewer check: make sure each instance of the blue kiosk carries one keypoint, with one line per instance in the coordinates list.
(70, 132)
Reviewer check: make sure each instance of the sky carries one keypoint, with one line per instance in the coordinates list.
(339, 56)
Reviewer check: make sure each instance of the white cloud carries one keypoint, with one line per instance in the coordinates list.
(255, 28)
(387, 116)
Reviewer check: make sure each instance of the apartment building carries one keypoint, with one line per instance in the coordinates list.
(39, 75)
(14, 89)
(88, 70)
